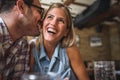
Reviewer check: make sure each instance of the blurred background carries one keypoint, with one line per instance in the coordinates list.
(97, 27)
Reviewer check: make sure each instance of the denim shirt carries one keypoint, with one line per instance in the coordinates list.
(58, 64)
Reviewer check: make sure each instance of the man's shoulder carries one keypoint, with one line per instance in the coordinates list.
(23, 42)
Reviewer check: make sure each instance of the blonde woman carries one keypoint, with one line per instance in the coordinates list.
(56, 51)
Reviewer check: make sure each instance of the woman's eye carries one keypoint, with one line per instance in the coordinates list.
(49, 16)
(61, 20)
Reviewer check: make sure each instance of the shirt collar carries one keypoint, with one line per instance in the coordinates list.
(7, 41)
(43, 53)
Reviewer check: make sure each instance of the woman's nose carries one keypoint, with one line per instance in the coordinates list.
(54, 22)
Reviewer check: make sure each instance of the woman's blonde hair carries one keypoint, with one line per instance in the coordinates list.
(69, 39)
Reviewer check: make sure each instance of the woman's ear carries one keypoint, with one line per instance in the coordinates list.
(20, 5)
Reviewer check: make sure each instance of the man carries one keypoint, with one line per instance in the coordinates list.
(18, 18)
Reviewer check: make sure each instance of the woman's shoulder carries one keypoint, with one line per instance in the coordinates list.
(73, 51)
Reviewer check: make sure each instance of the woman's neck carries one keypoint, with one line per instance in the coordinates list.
(49, 48)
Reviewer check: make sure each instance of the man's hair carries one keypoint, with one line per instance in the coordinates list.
(7, 5)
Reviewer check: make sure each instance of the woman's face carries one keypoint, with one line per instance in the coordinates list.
(55, 25)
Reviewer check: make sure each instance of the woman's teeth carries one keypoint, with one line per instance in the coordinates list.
(50, 30)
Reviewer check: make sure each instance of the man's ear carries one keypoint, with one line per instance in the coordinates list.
(21, 6)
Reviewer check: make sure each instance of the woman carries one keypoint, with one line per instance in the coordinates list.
(57, 52)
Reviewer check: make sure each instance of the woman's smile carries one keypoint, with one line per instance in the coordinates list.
(51, 30)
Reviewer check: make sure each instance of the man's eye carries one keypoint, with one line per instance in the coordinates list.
(39, 11)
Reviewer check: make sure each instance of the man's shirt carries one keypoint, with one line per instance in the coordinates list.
(14, 56)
